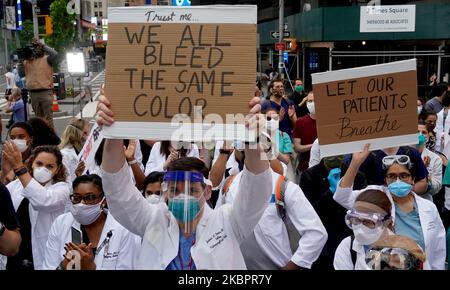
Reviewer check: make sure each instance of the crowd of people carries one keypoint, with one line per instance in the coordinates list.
(151, 204)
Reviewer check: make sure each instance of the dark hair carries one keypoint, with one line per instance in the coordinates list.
(275, 81)
(376, 197)
(153, 177)
(440, 89)
(268, 108)
(422, 100)
(91, 178)
(425, 113)
(22, 125)
(189, 164)
(98, 157)
(446, 100)
(165, 149)
(43, 133)
(408, 167)
(61, 174)
(422, 122)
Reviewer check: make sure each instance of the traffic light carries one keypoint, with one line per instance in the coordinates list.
(291, 44)
(45, 24)
(48, 25)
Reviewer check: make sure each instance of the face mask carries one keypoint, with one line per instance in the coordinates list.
(333, 161)
(333, 178)
(153, 198)
(311, 107)
(86, 214)
(272, 125)
(366, 236)
(419, 109)
(42, 174)
(422, 140)
(400, 188)
(299, 88)
(21, 144)
(184, 210)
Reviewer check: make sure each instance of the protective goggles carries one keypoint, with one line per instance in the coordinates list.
(392, 259)
(399, 159)
(370, 220)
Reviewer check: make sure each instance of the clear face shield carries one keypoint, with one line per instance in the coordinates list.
(392, 259)
(185, 193)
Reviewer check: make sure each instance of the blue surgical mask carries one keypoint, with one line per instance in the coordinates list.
(185, 209)
(400, 188)
(422, 140)
(333, 178)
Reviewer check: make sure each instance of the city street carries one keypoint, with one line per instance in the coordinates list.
(69, 107)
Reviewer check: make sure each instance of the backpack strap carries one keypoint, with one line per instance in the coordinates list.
(352, 252)
(226, 186)
(280, 189)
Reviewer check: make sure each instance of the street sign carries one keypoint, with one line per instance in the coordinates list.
(275, 34)
(280, 46)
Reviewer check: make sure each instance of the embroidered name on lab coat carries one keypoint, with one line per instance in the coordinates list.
(431, 226)
(111, 255)
(216, 239)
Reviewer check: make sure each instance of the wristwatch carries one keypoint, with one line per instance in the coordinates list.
(223, 151)
(134, 161)
(21, 171)
(2, 228)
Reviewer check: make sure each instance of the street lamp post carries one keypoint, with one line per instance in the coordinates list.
(35, 21)
(280, 39)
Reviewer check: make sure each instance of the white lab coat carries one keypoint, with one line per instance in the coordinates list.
(314, 155)
(46, 204)
(441, 129)
(431, 223)
(118, 254)
(271, 233)
(435, 171)
(343, 256)
(156, 160)
(218, 233)
(70, 161)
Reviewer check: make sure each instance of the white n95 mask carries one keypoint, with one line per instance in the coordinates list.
(21, 144)
(153, 198)
(366, 236)
(42, 174)
(311, 107)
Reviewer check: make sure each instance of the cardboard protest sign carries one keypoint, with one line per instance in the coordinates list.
(374, 104)
(166, 62)
(91, 145)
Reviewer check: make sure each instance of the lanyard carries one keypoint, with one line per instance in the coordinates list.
(105, 243)
(190, 257)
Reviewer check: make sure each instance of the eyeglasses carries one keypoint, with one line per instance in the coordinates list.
(370, 220)
(269, 118)
(88, 198)
(399, 159)
(392, 259)
(402, 176)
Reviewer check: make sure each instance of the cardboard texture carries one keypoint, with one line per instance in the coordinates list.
(157, 70)
(366, 108)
